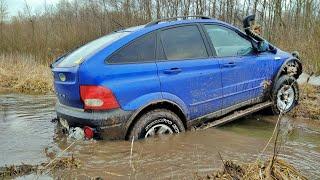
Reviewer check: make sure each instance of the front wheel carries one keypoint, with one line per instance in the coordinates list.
(285, 94)
(156, 123)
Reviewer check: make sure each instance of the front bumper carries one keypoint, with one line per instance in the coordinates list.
(109, 124)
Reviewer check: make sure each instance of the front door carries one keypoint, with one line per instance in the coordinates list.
(244, 73)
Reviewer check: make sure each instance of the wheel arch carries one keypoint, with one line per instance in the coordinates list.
(160, 104)
(291, 66)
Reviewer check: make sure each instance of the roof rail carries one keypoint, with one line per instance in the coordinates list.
(177, 17)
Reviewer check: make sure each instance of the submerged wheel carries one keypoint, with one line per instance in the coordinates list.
(285, 94)
(156, 123)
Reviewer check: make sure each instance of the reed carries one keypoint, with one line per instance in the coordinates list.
(21, 73)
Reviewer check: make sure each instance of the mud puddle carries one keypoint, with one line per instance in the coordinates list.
(28, 136)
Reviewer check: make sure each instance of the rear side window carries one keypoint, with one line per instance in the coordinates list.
(228, 42)
(141, 50)
(183, 43)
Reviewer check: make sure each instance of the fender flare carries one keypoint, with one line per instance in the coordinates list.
(282, 70)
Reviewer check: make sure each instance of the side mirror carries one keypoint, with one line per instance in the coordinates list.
(264, 46)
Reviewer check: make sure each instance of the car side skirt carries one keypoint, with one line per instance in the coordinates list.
(216, 114)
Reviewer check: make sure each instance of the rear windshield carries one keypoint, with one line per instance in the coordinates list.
(77, 56)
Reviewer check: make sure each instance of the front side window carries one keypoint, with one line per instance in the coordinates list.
(183, 43)
(141, 50)
(227, 42)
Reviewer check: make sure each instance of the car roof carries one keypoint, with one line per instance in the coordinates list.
(163, 24)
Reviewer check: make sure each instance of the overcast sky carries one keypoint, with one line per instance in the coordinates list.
(14, 6)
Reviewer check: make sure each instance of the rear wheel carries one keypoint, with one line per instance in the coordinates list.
(156, 123)
(285, 94)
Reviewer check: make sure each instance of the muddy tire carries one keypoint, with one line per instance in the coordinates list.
(156, 122)
(285, 95)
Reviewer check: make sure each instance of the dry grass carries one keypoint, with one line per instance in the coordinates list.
(307, 47)
(309, 102)
(62, 163)
(21, 73)
(255, 171)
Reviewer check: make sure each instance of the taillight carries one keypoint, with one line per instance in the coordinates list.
(98, 98)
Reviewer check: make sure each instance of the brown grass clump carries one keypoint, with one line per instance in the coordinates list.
(255, 171)
(308, 107)
(25, 169)
(21, 73)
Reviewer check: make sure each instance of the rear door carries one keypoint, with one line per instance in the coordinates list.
(243, 71)
(187, 71)
(131, 73)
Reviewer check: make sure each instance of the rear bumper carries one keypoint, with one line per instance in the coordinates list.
(109, 124)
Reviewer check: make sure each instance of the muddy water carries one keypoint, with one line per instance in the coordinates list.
(28, 136)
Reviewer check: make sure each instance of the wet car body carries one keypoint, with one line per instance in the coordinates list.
(210, 81)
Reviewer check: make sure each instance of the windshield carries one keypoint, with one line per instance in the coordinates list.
(77, 56)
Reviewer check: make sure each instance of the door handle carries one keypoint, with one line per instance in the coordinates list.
(229, 65)
(172, 71)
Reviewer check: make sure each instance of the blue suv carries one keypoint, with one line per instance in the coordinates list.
(170, 75)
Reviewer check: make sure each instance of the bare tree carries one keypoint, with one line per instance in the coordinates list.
(3, 16)
(70, 23)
